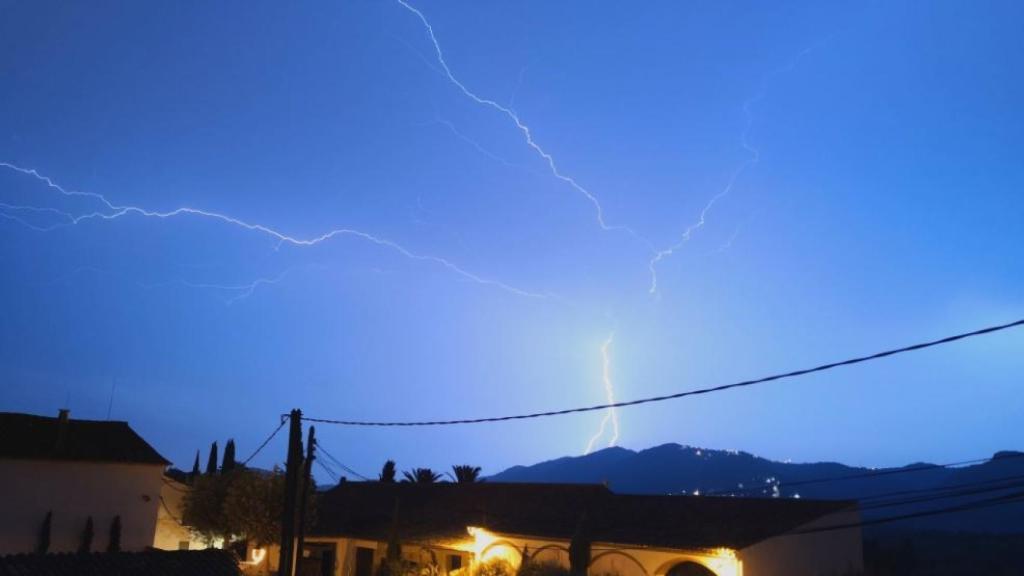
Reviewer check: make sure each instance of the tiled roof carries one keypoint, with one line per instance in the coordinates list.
(31, 437)
(442, 511)
(150, 563)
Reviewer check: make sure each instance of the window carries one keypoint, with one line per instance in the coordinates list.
(454, 562)
(364, 561)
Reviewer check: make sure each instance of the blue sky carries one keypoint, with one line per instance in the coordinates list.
(873, 151)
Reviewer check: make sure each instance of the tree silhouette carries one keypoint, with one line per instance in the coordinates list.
(579, 548)
(387, 473)
(85, 546)
(195, 466)
(466, 474)
(43, 545)
(246, 503)
(421, 476)
(229, 456)
(211, 462)
(114, 544)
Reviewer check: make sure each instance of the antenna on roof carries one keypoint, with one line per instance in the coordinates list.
(110, 404)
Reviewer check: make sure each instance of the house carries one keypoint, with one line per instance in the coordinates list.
(171, 531)
(453, 528)
(56, 473)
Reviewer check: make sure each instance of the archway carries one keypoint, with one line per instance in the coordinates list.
(616, 562)
(551, 554)
(689, 569)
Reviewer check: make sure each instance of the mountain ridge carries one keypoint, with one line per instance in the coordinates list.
(674, 468)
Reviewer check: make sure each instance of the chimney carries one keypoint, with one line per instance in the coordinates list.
(62, 430)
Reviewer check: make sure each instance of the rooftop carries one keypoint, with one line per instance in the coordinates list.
(31, 437)
(443, 511)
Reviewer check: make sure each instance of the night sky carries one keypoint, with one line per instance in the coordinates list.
(378, 230)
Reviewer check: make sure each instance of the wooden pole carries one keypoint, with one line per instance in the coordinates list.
(286, 559)
(307, 482)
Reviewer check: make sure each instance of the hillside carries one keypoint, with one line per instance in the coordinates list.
(677, 469)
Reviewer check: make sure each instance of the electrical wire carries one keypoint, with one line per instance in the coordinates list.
(265, 442)
(341, 464)
(741, 384)
(1005, 499)
(171, 514)
(858, 476)
(331, 473)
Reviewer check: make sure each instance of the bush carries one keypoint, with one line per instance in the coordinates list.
(495, 567)
(545, 568)
(241, 503)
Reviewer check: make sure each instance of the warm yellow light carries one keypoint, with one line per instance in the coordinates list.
(724, 562)
(258, 554)
(486, 547)
(725, 553)
(481, 540)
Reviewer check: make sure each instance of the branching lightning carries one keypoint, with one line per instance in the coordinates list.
(473, 143)
(611, 415)
(241, 291)
(113, 211)
(520, 125)
(753, 157)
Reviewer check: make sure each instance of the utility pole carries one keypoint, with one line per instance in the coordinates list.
(286, 560)
(307, 482)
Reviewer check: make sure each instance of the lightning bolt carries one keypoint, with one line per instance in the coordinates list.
(611, 415)
(474, 144)
(521, 126)
(728, 243)
(242, 291)
(113, 211)
(753, 157)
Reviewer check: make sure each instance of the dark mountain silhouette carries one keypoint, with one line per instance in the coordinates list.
(676, 469)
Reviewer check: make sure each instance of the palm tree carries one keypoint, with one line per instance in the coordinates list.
(387, 473)
(421, 476)
(466, 474)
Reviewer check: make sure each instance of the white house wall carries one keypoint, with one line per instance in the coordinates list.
(73, 491)
(831, 553)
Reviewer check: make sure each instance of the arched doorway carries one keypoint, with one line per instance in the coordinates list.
(689, 569)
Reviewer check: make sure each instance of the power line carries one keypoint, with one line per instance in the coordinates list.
(331, 473)
(171, 514)
(795, 373)
(948, 492)
(168, 483)
(956, 492)
(861, 475)
(265, 442)
(341, 464)
(1006, 499)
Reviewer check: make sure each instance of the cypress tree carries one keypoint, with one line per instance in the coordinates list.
(114, 545)
(43, 545)
(229, 456)
(85, 546)
(195, 465)
(579, 548)
(211, 463)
